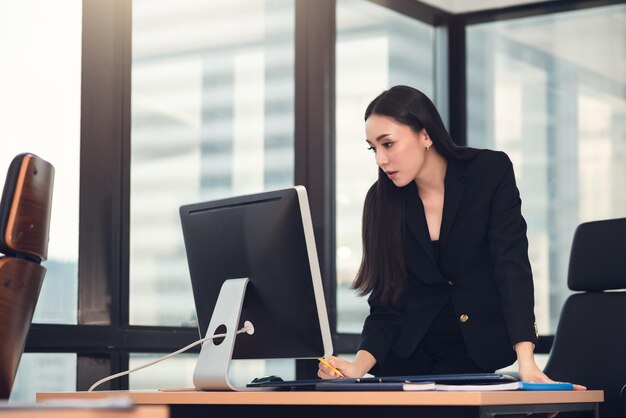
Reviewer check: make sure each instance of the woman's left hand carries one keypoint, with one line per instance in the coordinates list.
(529, 372)
(532, 373)
(528, 369)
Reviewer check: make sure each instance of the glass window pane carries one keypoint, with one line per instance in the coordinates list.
(40, 78)
(212, 116)
(177, 372)
(43, 372)
(551, 95)
(376, 49)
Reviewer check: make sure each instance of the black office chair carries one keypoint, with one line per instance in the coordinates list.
(590, 342)
(24, 226)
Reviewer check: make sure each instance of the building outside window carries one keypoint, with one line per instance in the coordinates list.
(550, 94)
(376, 49)
(40, 45)
(212, 116)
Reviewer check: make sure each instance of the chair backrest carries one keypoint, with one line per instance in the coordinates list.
(590, 342)
(25, 208)
(24, 226)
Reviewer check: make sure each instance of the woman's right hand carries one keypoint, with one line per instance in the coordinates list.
(346, 368)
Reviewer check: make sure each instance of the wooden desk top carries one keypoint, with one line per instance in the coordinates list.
(173, 396)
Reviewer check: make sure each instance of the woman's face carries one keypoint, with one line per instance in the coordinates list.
(400, 151)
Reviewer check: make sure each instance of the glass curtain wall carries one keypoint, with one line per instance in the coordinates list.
(376, 49)
(550, 91)
(212, 117)
(177, 372)
(43, 372)
(40, 45)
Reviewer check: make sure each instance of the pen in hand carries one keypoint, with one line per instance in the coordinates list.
(326, 363)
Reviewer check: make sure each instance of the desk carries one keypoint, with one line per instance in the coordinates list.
(353, 404)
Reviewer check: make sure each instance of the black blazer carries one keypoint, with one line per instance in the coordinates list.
(484, 269)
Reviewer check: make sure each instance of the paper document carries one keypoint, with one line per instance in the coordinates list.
(479, 388)
(374, 387)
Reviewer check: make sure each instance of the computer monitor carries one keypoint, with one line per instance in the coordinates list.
(253, 258)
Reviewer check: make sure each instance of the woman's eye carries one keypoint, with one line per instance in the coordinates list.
(387, 144)
(370, 148)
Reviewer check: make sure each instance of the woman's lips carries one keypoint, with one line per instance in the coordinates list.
(392, 174)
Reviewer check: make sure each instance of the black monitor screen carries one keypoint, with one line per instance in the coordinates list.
(267, 238)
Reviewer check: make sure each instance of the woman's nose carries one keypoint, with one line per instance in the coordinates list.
(381, 159)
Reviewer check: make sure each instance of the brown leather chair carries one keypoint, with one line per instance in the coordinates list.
(24, 226)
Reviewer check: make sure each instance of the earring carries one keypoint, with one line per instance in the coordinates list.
(428, 148)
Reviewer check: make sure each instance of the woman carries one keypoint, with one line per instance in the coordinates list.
(445, 253)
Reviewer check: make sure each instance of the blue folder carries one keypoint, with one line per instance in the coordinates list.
(546, 386)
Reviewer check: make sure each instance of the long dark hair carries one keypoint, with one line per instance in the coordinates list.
(382, 268)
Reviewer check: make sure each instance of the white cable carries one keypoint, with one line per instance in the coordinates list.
(247, 328)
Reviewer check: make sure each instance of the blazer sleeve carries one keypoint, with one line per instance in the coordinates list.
(509, 249)
(381, 329)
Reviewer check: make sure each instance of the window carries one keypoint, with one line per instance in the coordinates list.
(212, 116)
(177, 372)
(548, 91)
(43, 372)
(376, 49)
(40, 76)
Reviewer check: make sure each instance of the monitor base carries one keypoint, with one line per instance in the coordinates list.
(211, 372)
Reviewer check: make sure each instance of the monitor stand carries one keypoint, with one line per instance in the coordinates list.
(211, 372)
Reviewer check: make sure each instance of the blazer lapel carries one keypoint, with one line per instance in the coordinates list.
(415, 218)
(454, 188)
